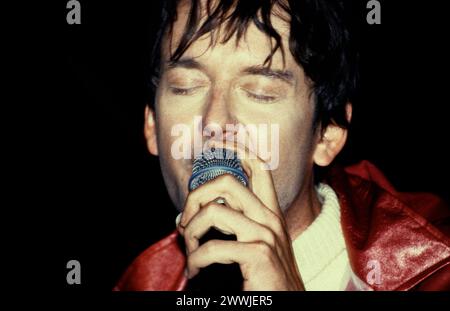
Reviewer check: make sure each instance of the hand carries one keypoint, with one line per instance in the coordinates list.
(263, 248)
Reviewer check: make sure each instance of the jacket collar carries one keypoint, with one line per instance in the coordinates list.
(391, 246)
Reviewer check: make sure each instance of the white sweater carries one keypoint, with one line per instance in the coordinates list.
(320, 250)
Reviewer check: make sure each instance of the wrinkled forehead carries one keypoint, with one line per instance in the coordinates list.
(218, 22)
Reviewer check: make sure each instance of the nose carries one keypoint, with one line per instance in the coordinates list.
(218, 113)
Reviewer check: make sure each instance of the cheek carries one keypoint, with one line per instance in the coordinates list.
(295, 161)
(296, 137)
(296, 131)
(172, 123)
(176, 171)
(295, 147)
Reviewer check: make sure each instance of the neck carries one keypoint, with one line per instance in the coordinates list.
(303, 211)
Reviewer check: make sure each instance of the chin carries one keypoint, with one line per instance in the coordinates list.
(181, 192)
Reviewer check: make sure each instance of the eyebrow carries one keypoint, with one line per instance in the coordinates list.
(190, 63)
(284, 75)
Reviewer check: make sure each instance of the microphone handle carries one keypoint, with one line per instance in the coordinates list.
(217, 277)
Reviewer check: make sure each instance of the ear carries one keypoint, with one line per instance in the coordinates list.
(150, 131)
(332, 141)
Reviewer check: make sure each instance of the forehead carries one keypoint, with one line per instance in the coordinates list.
(255, 42)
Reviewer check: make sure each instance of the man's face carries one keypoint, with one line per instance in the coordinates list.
(224, 84)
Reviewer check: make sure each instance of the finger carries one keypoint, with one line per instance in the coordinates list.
(236, 196)
(227, 252)
(260, 178)
(218, 216)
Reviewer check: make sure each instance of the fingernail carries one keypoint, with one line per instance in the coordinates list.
(220, 201)
(178, 219)
(186, 272)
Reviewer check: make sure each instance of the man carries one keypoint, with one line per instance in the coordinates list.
(289, 64)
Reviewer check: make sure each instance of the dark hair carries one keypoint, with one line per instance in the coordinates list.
(319, 42)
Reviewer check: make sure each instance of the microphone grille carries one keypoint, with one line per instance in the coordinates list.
(213, 163)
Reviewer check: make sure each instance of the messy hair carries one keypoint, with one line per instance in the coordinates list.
(319, 41)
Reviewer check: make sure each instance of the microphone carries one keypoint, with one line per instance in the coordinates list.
(212, 163)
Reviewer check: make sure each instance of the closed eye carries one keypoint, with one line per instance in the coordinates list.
(183, 91)
(263, 98)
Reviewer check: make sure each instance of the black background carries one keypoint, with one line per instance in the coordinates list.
(105, 199)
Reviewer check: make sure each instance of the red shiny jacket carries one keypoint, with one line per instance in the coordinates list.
(408, 234)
